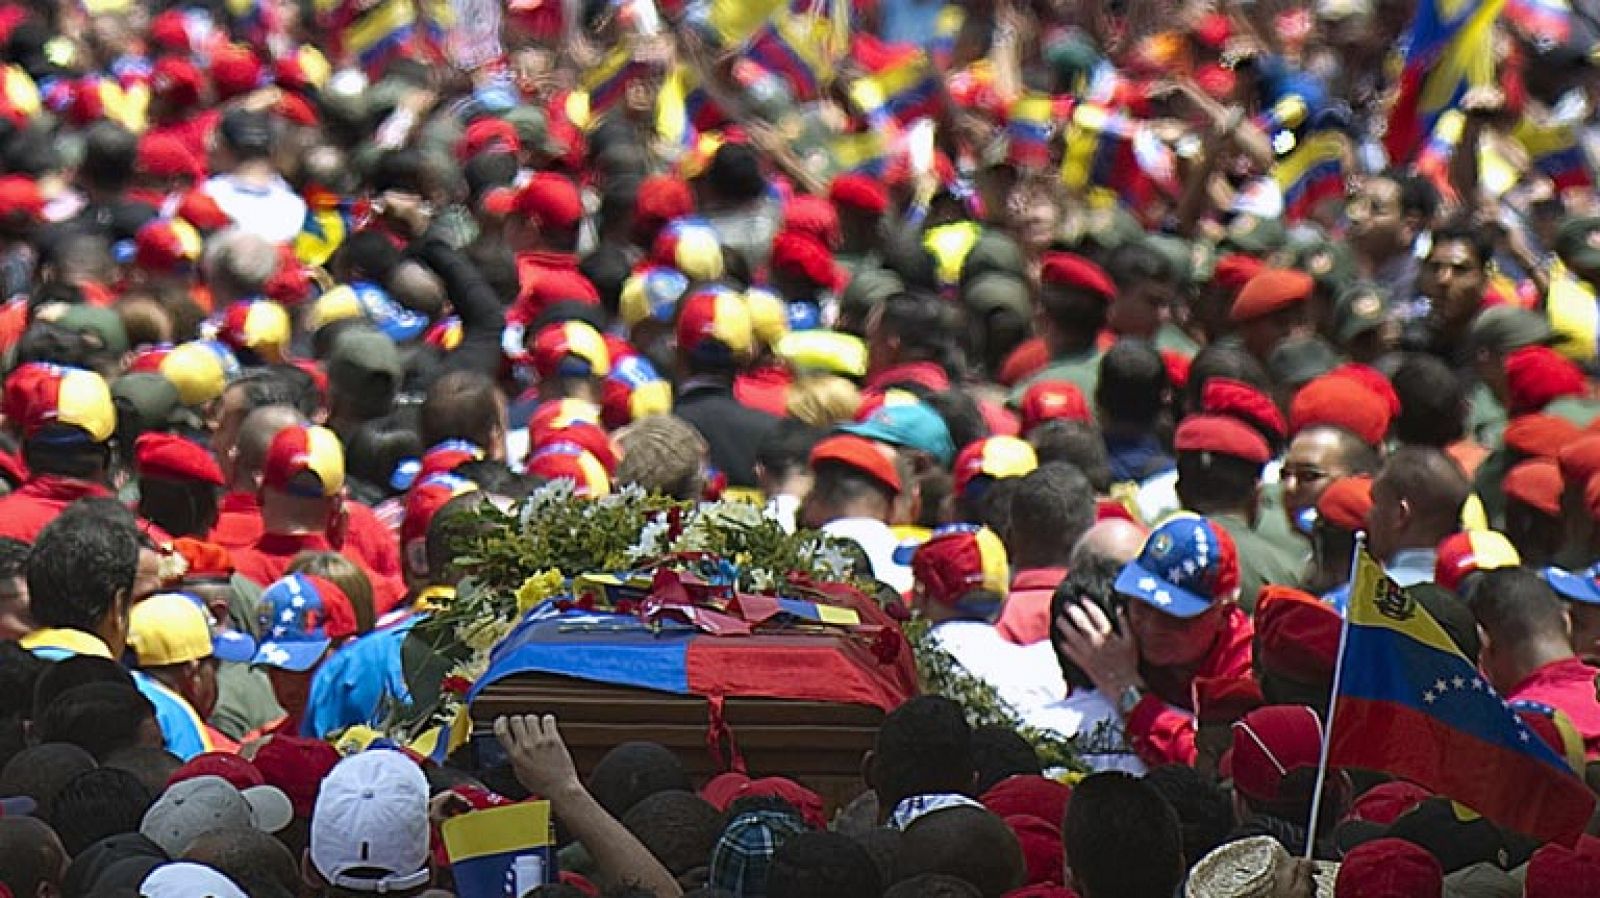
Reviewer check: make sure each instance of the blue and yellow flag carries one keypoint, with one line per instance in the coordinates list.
(1449, 50)
(507, 850)
(1312, 172)
(1409, 703)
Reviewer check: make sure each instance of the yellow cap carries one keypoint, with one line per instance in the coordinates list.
(169, 628)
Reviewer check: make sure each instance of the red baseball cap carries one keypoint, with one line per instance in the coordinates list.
(239, 773)
(305, 460)
(486, 134)
(1470, 551)
(551, 201)
(171, 457)
(859, 193)
(995, 458)
(297, 766)
(177, 79)
(959, 559)
(423, 502)
(20, 198)
(1269, 744)
(1221, 435)
(235, 71)
(862, 454)
(1049, 400)
(586, 436)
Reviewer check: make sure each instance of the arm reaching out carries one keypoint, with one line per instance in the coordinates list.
(544, 766)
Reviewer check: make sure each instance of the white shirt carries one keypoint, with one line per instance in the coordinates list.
(1088, 715)
(1024, 676)
(273, 212)
(878, 542)
(782, 508)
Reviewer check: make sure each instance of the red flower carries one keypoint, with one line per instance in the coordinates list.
(456, 685)
(887, 645)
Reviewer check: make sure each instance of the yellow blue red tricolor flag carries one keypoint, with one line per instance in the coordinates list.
(1312, 172)
(1449, 50)
(1409, 703)
(508, 850)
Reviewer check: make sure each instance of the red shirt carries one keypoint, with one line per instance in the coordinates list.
(544, 278)
(36, 503)
(1162, 725)
(929, 374)
(1025, 617)
(238, 521)
(764, 389)
(366, 541)
(1568, 686)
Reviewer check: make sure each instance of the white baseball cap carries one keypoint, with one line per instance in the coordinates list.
(188, 880)
(194, 807)
(372, 818)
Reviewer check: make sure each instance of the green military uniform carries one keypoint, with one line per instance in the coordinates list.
(1260, 560)
(1081, 369)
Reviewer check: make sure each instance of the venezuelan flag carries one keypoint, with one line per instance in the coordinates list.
(674, 118)
(1448, 50)
(1028, 129)
(866, 152)
(1556, 153)
(381, 32)
(1312, 172)
(607, 82)
(793, 47)
(508, 850)
(945, 29)
(1107, 149)
(1408, 703)
(906, 91)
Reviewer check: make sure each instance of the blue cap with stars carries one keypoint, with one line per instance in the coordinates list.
(301, 616)
(1187, 565)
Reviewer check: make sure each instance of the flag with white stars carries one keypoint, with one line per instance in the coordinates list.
(1410, 704)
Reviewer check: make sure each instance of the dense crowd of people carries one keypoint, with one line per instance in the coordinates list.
(1107, 338)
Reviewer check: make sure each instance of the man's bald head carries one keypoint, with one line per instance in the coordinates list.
(965, 842)
(255, 437)
(1114, 538)
(1416, 501)
(31, 855)
(254, 860)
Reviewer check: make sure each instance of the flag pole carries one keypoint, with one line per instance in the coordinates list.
(1333, 701)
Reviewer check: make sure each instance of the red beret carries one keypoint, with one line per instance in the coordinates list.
(170, 31)
(860, 193)
(1221, 435)
(20, 198)
(724, 789)
(1373, 380)
(1226, 396)
(1389, 868)
(1049, 400)
(803, 256)
(1035, 796)
(814, 217)
(1233, 272)
(1538, 435)
(165, 156)
(1556, 871)
(1030, 356)
(1271, 291)
(235, 71)
(205, 560)
(861, 454)
(1580, 460)
(1536, 484)
(199, 209)
(170, 457)
(1345, 502)
(1297, 634)
(176, 79)
(1225, 699)
(662, 198)
(551, 200)
(1341, 402)
(1073, 270)
(1538, 375)
(485, 135)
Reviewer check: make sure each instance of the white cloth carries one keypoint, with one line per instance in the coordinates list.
(274, 212)
(1024, 676)
(783, 508)
(1090, 717)
(188, 880)
(878, 542)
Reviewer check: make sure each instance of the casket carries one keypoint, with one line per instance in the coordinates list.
(802, 704)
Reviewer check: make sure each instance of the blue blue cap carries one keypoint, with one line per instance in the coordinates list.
(909, 425)
(301, 616)
(1186, 565)
(1575, 586)
(397, 322)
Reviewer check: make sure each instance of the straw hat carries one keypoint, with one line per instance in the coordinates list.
(1250, 868)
